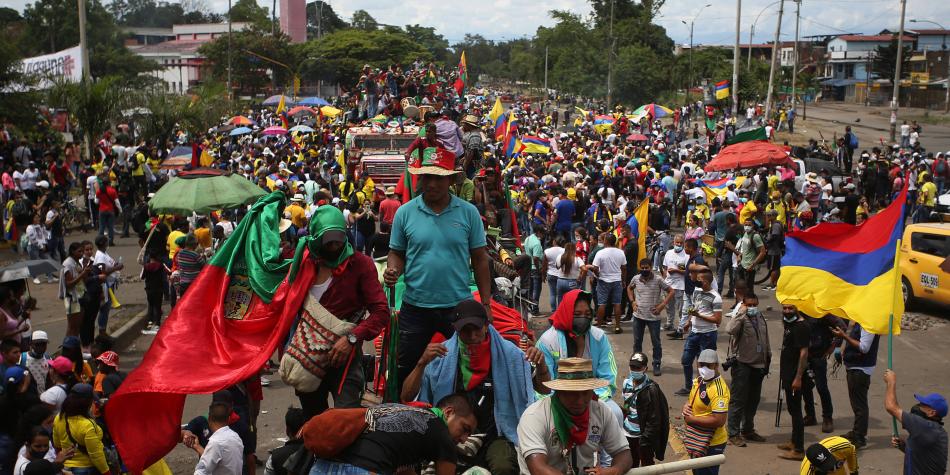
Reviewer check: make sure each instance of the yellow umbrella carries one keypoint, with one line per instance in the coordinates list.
(330, 111)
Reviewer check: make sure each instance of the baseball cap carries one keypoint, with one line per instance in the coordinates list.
(71, 341)
(821, 458)
(61, 365)
(638, 360)
(14, 375)
(109, 358)
(469, 312)
(40, 467)
(709, 355)
(935, 401)
(82, 390)
(40, 335)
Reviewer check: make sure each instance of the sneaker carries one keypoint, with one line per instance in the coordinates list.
(737, 440)
(786, 446)
(618, 330)
(682, 392)
(676, 336)
(810, 421)
(152, 331)
(827, 425)
(753, 436)
(860, 442)
(793, 454)
(265, 381)
(36, 280)
(657, 371)
(52, 280)
(626, 318)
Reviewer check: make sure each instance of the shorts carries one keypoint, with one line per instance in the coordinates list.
(773, 262)
(72, 306)
(745, 279)
(609, 293)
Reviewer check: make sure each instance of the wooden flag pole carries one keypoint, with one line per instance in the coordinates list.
(890, 322)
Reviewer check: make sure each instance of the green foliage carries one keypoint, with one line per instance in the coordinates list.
(426, 36)
(248, 72)
(362, 20)
(322, 19)
(250, 11)
(885, 60)
(160, 14)
(640, 75)
(94, 104)
(207, 107)
(341, 55)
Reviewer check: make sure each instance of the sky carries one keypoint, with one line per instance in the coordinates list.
(508, 19)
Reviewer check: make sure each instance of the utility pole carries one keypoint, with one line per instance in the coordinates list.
(897, 72)
(229, 51)
(798, 6)
(735, 63)
(778, 31)
(610, 58)
(545, 70)
(692, 23)
(84, 51)
(748, 66)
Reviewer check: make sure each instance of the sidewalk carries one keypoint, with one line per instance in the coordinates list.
(871, 124)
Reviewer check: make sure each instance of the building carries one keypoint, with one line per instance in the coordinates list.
(178, 54)
(848, 63)
(293, 19)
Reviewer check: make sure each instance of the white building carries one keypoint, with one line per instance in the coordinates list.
(178, 57)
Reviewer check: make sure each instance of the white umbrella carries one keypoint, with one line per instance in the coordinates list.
(301, 128)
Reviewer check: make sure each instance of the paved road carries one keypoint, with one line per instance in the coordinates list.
(871, 124)
(919, 359)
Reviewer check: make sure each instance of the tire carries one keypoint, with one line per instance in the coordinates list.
(762, 274)
(907, 291)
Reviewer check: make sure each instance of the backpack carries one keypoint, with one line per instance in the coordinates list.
(853, 141)
(22, 211)
(345, 424)
(940, 168)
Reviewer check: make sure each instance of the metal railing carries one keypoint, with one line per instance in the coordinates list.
(679, 465)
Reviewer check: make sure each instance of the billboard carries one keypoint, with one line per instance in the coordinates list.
(44, 70)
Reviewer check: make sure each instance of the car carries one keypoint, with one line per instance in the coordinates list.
(943, 208)
(924, 247)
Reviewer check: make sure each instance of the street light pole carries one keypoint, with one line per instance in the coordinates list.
(778, 31)
(229, 51)
(610, 58)
(692, 23)
(752, 31)
(897, 73)
(946, 58)
(798, 7)
(735, 62)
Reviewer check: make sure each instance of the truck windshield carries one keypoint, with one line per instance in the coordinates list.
(382, 142)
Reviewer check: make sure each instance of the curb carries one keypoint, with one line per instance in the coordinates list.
(126, 335)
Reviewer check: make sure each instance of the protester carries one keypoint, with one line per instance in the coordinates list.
(925, 448)
(792, 365)
(648, 295)
(702, 326)
(609, 265)
(705, 412)
(223, 452)
(860, 358)
(832, 456)
(646, 420)
(751, 356)
(75, 428)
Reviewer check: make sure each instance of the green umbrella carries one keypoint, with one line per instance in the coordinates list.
(202, 191)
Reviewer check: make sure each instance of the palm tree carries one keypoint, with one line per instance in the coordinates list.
(94, 103)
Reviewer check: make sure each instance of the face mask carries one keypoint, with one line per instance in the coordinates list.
(789, 317)
(328, 255)
(34, 455)
(678, 248)
(747, 228)
(580, 325)
(743, 200)
(690, 207)
(752, 311)
(916, 410)
(646, 274)
(637, 376)
(706, 373)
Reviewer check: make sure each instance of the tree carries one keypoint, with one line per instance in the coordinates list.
(885, 60)
(322, 19)
(94, 104)
(426, 36)
(249, 71)
(250, 11)
(362, 20)
(640, 75)
(343, 53)
(165, 113)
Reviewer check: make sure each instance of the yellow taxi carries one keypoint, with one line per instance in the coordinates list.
(924, 248)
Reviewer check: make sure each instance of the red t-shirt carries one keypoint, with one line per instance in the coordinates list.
(387, 210)
(107, 198)
(59, 174)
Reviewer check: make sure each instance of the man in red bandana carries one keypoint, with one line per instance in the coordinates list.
(565, 432)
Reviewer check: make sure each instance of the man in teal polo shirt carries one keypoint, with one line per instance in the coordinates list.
(435, 237)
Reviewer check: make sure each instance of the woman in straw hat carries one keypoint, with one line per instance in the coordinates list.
(567, 431)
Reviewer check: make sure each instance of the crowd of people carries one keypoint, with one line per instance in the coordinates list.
(471, 214)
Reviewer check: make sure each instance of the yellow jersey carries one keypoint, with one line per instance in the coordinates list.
(842, 450)
(709, 397)
(928, 194)
(298, 215)
(748, 211)
(779, 208)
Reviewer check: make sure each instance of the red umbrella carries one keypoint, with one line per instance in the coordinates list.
(296, 110)
(751, 154)
(637, 138)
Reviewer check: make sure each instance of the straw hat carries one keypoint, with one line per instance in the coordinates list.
(283, 226)
(470, 120)
(441, 162)
(575, 374)
(812, 177)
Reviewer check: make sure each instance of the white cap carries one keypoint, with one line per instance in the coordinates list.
(40, 335)
(42, 184)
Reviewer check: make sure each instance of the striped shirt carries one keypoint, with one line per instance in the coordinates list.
(648, 294)
(189, 265)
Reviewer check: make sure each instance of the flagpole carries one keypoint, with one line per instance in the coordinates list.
(890, 321)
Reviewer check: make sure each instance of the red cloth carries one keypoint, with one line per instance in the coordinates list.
(198, 351)
(356, 290)
(479, 363)
(579, 430)
(563, 317)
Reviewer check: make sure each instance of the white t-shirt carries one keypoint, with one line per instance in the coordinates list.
(609, 262)
(905, 130)
(28, 179)
(675, 260)
(575, 271)
(54, 396)
(22, 461)
(224, 454)
(537, 435)
(18, 177)
(91, 187)
(317, 290)
(552, 254)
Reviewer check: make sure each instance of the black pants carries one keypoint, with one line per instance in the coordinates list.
(416, 327)
(793, 402)
(642, 456)
(87, 328)
(745, 392)
(817, 380)
(858, 384)
(349, 397)
(154, 297)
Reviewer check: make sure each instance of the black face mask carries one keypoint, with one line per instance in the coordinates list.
(789, 317)
(34, 455)
(646, 274)
(581, 325)
(916, 410)
(329, 255)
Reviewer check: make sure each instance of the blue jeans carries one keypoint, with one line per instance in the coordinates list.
(552, 291)
(107, 224)
(608, 293)
(695, 344)
(723, 267)
(564, 286)
(535, 294)
(684, 308)
(639, 325)
(327, 467)
(84, 470)
(714, 470)
(104, 310)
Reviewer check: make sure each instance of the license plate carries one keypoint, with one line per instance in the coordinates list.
(929, 281)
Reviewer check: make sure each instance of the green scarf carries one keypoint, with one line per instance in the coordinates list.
(326, 218)
(439, 412)
(571, 429)
(253, 249)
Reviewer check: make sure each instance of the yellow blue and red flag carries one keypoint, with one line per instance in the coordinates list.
(847, 270)
(722, 89)
(718, 188)
(534, 144)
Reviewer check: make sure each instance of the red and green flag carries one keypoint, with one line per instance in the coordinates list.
(463, 76)
(221, 333)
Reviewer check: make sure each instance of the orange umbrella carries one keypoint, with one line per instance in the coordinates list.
(241, 120)
(751, 154)
(300, 109)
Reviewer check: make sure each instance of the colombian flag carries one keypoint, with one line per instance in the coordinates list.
(533, 144)
(604, 124)
(501, 126)
(722, 90)
(846, 270)
(718, 188)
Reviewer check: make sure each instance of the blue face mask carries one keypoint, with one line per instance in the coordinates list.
(637, 376)
(678, 248)
(752, 311)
